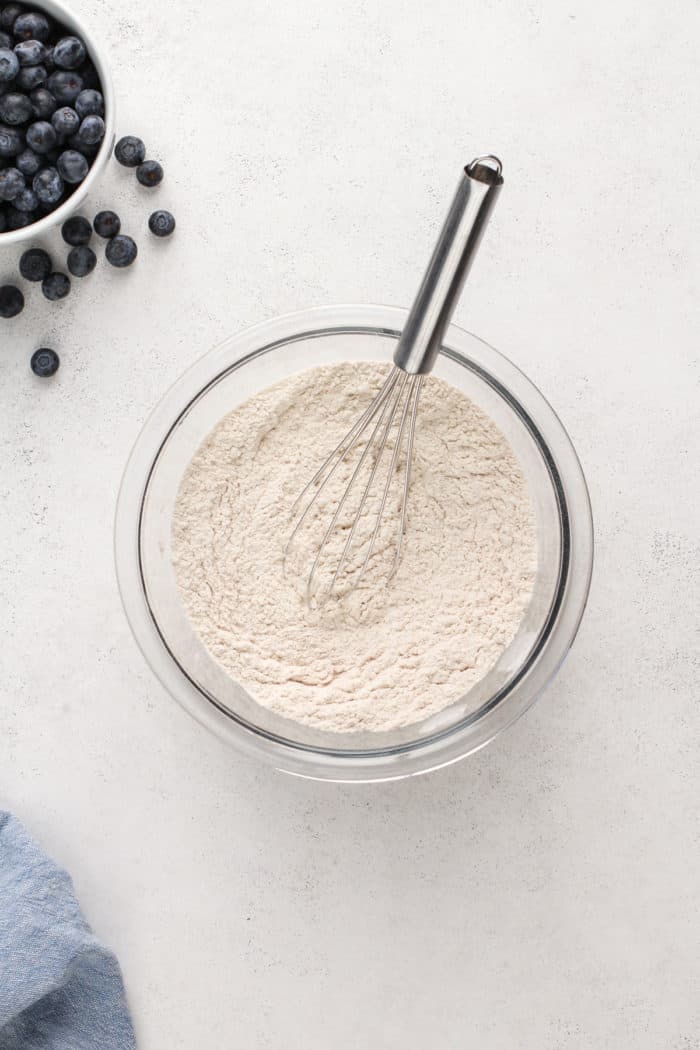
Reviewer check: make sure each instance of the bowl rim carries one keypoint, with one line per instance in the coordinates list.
(568, 481)
(72, 21)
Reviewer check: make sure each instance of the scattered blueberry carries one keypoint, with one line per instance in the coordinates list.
(9, 65)
(130, 151)
(15, 108)
(28, 162)
(11, 141)
(26, 201)
(69, 53)
(65, 121)
(12, 182)
(35, 264)
(76, 230)
(72, 166)
(107, 224)
(32, 26)
(161, 223)
(91, 131)
(31, 77)
(81, 260)
(44, 362)
(121, 251)
(150, 173)
(30, 52)
(64, 85)
(90, 103)
(11, 301)
(48, 185)
(41, 136)
(55, 286)
(43, 103)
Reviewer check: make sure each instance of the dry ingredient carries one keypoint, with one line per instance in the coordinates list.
(386, 656)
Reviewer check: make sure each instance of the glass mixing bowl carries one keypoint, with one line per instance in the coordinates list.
(241, 367)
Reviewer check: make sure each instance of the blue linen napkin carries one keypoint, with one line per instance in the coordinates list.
(60, 989)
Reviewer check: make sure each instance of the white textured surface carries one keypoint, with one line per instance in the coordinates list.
(545, 892)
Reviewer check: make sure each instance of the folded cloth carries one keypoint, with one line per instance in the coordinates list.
(59, 988)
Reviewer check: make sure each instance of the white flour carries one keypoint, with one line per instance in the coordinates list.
(386, 656)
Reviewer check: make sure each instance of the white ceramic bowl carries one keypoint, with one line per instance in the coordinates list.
(66, 17)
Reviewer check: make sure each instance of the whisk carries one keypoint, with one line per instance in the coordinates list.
(385, 432)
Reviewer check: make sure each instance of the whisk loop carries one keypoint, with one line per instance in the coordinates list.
(391, 415)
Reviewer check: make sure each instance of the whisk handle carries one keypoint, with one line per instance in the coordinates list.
(449, 265)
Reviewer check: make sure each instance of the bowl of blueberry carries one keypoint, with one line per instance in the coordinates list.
(56, 117)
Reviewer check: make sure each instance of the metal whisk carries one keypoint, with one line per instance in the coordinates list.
(389, 421)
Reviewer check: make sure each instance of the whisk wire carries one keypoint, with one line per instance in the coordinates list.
(343, 499)
(387, 484)
(415, 390)
(397, 398)
(368, 487)
(340, 452)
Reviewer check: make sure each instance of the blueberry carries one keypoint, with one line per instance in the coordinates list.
(48, 186)
(28, 162)
(11, 301)
(65, 86)
(15, 108)
(9, 65)
(69, 53)
(43, 103)
(150, 173)
(55, 286)
(161, 223)
(32, 26)
(27, 200)
(48, 59)
(130, 151)
(10, 13)
(76, 230)
(121, 251)
(35, 264)
(11, 141)
(90, 103)
(5, 42)
(30, 52)
(81, 260)
(17, 219)
(65, 121)
(41, 136)
(31, 77)
(12, 182)
(92, 131)
(107, 224)
(72, 166)
(44, 362)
